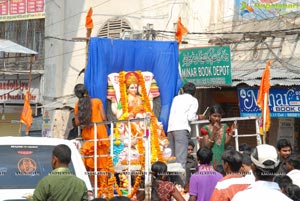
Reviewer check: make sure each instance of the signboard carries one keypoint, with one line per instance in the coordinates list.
(209, 66)
(11, 10)
(286, 129)
(13, 88)
(283, 102)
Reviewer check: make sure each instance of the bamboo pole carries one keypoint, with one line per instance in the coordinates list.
(264, 117)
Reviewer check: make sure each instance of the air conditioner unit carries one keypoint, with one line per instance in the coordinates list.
(137, 36)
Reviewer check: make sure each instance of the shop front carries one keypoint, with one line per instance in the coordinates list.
(12, 92)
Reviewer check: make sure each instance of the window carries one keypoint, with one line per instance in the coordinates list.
(22, 166)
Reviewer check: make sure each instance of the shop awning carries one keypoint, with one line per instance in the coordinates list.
(283, 73)
(8, 46)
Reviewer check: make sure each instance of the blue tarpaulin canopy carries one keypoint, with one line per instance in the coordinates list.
(114, 55)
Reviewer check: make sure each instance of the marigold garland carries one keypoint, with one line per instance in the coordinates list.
(112, 180)
(123, 92)
(155, 148)
(156, 152)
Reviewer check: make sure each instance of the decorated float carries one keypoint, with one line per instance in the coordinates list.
(138, 98)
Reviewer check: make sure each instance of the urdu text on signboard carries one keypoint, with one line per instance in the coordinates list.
(209, 66)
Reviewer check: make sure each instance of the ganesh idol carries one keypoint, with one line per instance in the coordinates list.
(135, 95)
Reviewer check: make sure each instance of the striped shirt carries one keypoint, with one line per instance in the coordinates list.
(228, 186)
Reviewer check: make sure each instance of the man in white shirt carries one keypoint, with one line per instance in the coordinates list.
(265, 162)
(293, 167)
(184, 109)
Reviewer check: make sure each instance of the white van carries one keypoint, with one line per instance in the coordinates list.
(26, 160)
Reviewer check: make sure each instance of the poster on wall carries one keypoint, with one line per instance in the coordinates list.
(12, 10)
(209, 66)
(286, 129)
(46, 126)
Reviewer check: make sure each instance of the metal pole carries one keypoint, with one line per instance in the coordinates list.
(129, 157)
(95, 162)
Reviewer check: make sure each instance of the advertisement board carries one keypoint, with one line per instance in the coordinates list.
(283, 102)
(11, 10)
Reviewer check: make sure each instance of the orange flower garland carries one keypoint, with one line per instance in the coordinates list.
(155, 148)
(123, 92)
(112, 180)
(141, 149)
(156, 152)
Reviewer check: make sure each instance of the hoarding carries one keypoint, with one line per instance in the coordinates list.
(12, 10)
(283, 102)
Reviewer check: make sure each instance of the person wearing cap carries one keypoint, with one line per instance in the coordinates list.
(234, 181)
(265, 162)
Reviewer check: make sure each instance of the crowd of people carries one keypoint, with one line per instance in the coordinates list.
(218, 172)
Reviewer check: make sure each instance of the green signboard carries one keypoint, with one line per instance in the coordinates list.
(209, 66)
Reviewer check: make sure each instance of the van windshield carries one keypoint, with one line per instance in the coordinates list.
(22, 166)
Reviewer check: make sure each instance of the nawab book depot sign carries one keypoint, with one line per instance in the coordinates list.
(209, 66)
(283, 102)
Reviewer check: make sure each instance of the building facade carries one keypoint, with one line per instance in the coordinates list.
(255, 33)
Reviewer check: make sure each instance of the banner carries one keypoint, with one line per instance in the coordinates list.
(11, 10)
(12, 89)
(283, 102)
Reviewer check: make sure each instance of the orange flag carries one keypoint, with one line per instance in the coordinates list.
(181, 30)
(26, 116)
(88, 20)
(264, 89)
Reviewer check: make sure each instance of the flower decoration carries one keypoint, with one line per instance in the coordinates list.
(156, 153)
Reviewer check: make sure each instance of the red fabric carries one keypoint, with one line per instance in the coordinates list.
(228, 129)
(181, 30)
(89, 21)
(165, 190)
(203, 131)
(26, 115)
(264, 89)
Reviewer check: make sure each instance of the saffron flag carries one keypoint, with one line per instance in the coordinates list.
(181, 30)
(264, 93)
(88, 20)
(26, 116)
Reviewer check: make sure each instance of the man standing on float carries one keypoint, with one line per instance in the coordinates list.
(184, 109)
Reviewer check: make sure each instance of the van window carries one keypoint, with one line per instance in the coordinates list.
(22, 166)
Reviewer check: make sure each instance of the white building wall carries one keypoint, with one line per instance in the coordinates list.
(65, 20)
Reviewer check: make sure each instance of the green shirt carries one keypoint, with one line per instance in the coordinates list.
(60, 185)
